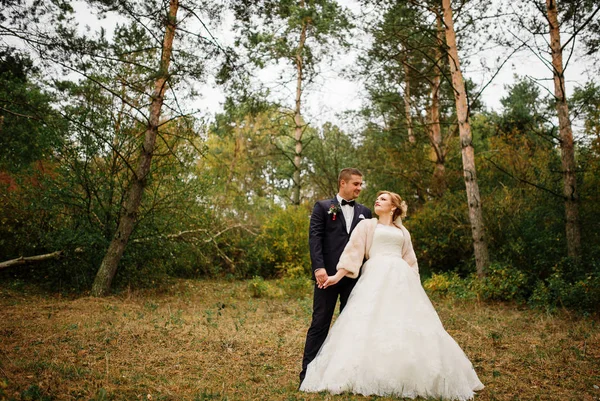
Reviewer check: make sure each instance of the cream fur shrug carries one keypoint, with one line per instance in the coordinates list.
(360, 243)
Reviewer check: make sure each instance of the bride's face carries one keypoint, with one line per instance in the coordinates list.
(383, 205)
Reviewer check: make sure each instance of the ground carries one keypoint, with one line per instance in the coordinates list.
(214, 340)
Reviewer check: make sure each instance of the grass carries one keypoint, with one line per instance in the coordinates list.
(214, 340)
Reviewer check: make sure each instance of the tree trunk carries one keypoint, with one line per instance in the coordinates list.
(409, 123)
(299, 126)
(466, 141)
(109, 264)
(237, 150)
(435, 130)
(567, 151)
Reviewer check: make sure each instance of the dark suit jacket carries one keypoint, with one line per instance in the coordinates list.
(327, 237)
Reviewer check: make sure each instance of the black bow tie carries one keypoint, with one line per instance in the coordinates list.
(349, 203)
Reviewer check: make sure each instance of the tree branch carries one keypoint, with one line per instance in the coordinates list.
(23, 260)
(524, 180)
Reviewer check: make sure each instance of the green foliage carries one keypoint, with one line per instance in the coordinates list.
(449, 284)
(520, 185)
(246, 156)
(29, 127)
(520, 112)
(440, 233)
(258, 287)
(282, 244)
(571, 285)
(270, 30)
(328, 151)
(501, 283)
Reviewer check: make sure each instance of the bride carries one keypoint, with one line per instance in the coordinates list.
(389, 339)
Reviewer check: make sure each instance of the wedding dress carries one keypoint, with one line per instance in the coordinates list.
(389, 339)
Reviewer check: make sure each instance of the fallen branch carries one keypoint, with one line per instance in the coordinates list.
(183, 234)
(30, 259)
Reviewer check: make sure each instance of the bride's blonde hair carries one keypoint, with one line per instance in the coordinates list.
(401, 206)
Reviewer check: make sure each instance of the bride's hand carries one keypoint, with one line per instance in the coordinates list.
(332, 280)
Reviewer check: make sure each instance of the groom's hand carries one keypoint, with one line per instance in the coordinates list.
(321, 276)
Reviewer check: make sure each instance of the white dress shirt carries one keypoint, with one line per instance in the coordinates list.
(347, 211)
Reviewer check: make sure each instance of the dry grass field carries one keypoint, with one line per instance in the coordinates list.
(212, 340)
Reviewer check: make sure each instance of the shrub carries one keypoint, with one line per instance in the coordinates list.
(450, 284)
(258, 287)
(282, 245)
(501, 283)
(560, 290)
(441, 235)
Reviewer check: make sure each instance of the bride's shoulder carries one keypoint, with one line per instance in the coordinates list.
(368, 222)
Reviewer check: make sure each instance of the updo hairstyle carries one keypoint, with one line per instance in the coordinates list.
(401, 206)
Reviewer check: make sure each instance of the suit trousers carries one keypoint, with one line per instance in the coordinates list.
(324, 302)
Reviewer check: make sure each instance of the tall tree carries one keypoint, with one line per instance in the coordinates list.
(567, 148)
(466, 141)
(301, 33)
(109, 264)
(539, 25)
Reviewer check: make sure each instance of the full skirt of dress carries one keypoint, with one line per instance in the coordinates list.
(389, 340)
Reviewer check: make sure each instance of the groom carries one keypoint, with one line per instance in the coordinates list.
(331, 223)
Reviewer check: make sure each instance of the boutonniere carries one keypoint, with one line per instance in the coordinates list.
(334, 210)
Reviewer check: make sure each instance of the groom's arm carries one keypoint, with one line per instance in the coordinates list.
(315, 236)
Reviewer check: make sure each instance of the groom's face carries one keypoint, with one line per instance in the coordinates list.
(350, 189)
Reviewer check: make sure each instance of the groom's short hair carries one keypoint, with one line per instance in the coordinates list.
(347, 173)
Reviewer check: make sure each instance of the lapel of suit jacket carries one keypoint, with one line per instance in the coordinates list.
(340, 214)
(357, 212)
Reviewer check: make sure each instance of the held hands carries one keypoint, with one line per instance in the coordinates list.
(332, 280)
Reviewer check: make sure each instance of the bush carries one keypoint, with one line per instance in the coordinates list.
(450, 284)
(282, 245)
(259, 288)
(562, 290)
(441, 235)
(501, 283)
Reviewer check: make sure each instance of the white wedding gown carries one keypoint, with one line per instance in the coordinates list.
(389, 339)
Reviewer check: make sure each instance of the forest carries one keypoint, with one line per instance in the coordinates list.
(114, 174)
